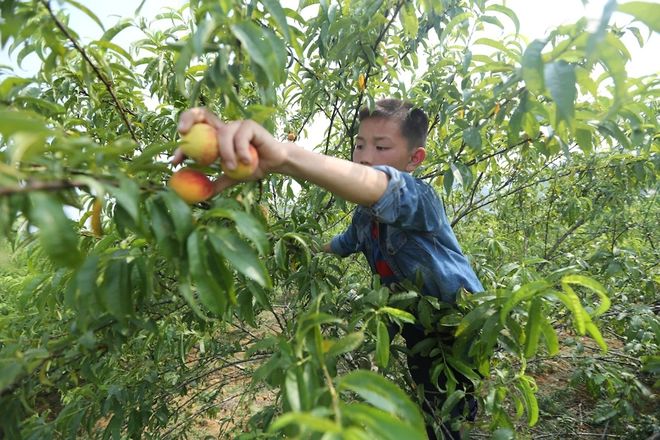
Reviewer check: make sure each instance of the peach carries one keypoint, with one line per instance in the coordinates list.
(192, 185)
(201, 144)
(243, 170)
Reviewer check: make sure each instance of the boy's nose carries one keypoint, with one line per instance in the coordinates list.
(365, 158)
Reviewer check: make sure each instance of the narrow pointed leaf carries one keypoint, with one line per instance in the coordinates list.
(533, 67)
(383, 394)
(240, 255)
(533, 328)
(595, 286)
(382, 345)
(56, 234)
(560, 81)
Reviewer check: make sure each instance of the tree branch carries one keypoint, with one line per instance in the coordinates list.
(108, 86)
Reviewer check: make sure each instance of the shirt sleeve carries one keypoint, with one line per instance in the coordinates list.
(408, 203)
(347, 243)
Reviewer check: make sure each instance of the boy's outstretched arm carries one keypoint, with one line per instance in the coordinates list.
(351, 181)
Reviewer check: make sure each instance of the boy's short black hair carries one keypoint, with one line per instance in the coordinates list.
(414, 122)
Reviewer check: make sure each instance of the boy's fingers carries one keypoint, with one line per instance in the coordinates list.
(242, 140)
(222, 183)
(195, 115)
(178, 157)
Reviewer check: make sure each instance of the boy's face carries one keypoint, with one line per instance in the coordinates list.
(380, 142)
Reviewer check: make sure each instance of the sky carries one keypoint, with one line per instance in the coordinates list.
(536, 16)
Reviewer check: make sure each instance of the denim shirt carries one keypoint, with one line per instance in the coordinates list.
(417, 237)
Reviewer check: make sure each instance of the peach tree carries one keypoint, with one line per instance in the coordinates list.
(127, 313)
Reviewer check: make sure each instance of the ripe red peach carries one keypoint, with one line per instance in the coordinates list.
(192, 185)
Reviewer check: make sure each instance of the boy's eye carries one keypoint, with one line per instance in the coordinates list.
(359, 147)
(381, 148)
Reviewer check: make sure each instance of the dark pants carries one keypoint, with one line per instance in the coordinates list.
(420, 369)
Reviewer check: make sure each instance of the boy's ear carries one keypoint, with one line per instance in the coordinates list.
(416, 158)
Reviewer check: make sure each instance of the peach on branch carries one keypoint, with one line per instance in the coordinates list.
(243, 170)
(192, 185)
(200, 144)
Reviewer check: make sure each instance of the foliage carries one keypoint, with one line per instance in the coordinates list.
(118, 300)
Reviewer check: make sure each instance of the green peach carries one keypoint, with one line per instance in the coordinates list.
(200, 144)
(243, 170)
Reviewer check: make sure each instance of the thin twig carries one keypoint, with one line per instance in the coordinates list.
(40, 186)
(108, 86)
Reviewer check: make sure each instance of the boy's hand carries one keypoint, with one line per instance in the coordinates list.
(233, 144)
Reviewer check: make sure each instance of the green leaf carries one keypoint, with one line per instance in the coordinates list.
(596, 37)
(646, 12)
(475, 319)
(186, 291)
(51, 107)
(398, 314)
(163, 228)
(9, 372)
(531, 404)
(265, 49)
(649, 363)
(593, 331)
(261, 344)
(533, 67)
(584, 140)
(572, 301)
(452, 401)
(615, 63)
(280, 255)
(462, 174)
(113, 31)
(314, 320)
(117, 291)
(448, 180)
(277, 12)
(409, 22)
(508, 12)
(292, 389)
(472, 138)
(560, 81)
(313, 422)
(89, 13)
(460, 18)
(179, 213)
(526, 292)
(496, 45)
(550, 336)
(56, 234)
(240, 255)
(515, 124)
(12, 122)
(533, 328)
(382, 394)
(205, 30)
(593, 285)
(209, 292)
(350, 342)
(381, 425)
(127, 195)
(247, 225)
(382, 345)
(504, 433)
(115, 47)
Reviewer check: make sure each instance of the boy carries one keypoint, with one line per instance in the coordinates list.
(399, 225)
